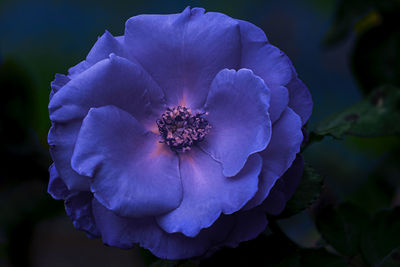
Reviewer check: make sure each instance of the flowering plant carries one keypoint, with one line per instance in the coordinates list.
(179, 135)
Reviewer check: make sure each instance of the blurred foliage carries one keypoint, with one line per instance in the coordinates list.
(22, 207)
(341, 227)
(23, 183)
(381, 186)
(22, 145)
(319, 257)
(358, 15)
(373, 146)
(308, 191)
(376, 115)
(375, 57)
(392, 259)
(380, 240)
(364, 231)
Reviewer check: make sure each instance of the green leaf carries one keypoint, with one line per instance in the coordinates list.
(379, 188)
(373, 146)
(308, 191)
(372, 196)
(380, 239)
(392, 260)
(312, 138)
(377, 115)
(341, 227)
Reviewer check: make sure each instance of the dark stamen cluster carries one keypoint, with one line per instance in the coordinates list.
(180, 129)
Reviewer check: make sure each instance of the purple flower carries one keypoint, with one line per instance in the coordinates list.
(179, 135)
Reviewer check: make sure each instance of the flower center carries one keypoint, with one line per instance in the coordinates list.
(180, 129)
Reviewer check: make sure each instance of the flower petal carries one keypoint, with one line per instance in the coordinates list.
(208, 193)
(78, 69)
(183, 52)
(56, 188)
(133, 174)
(77, 205)
(62, 138)
(279, 155)
(242, 226)
(292, 177)
(278, 103)
(284, 188)
(248, 225)
(275, 202)
(251, 35)
(228, 230)
(299, 98)
(102, 84)
(123, 232)
(113, 81)
(268, 62)
(105, 45)
(59, 81)
(79, 208)
(238, 113)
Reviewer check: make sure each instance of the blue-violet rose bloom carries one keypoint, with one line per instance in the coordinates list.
(179, 135)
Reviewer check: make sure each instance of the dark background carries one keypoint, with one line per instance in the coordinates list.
(42, 37)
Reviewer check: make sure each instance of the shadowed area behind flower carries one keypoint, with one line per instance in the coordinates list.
(43, 37)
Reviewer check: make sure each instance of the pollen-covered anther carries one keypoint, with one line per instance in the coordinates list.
(180, 129)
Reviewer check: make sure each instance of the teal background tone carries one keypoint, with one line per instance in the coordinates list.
(42, 37)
